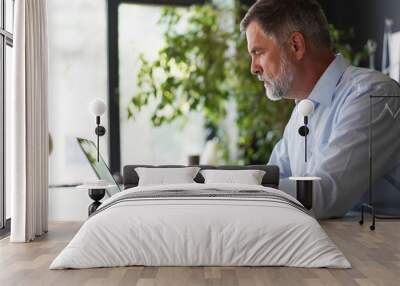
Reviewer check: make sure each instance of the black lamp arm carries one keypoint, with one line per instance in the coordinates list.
(303, 131)
(100, 131)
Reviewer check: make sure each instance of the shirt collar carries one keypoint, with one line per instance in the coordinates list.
(326, 85)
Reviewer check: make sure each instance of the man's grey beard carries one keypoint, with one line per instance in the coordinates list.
(276, 89)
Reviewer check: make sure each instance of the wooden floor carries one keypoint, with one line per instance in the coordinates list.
(375, 257)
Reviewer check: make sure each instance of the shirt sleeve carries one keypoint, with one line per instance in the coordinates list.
(343, 163)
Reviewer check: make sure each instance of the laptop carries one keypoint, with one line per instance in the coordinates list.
(100, 168)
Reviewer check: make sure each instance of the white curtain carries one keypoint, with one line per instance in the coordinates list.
(29, 124)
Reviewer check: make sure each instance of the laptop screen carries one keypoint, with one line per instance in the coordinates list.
(100, 168)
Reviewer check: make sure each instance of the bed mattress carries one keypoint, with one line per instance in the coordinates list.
(201, 225)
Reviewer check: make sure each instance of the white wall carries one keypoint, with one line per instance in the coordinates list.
(68, 204)
(77, 74)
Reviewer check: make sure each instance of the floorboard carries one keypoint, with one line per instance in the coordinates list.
(374, 255)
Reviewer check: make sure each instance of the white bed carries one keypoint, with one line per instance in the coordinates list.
(204, 231)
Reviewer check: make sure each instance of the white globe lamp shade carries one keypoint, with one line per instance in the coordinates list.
(97, 107)
(306, 107)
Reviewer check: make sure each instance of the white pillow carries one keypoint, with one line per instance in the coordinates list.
(163, 176)
(248, 177)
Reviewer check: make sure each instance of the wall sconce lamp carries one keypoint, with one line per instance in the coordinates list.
(304, 185)
(306, 107)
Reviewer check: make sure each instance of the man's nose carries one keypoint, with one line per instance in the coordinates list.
(255, 68)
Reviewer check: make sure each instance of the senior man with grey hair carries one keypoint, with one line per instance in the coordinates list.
(291, 53)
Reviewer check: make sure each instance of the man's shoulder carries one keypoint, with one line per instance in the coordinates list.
(365, 78)
(361, 82)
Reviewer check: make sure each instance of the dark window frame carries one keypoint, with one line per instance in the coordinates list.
(114, 144)
(6, 39)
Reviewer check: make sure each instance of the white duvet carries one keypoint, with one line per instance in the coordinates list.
(200, 231)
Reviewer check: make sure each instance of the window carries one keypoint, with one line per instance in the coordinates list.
(137, 142)
(6, 44)
(167, 144)
(78, 73)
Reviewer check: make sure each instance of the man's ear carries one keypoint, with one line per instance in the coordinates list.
(297, 45)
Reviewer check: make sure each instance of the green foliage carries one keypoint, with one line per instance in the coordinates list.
(340, 45)
(203, 66)
(190, 72)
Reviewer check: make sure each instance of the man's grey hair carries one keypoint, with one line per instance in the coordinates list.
(280, 18)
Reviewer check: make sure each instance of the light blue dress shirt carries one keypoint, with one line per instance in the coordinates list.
(338, 142)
